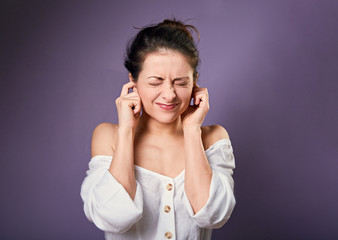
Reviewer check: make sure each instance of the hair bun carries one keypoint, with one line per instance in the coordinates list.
(188, 29)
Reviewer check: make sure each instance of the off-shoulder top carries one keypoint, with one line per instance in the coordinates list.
(161, 208)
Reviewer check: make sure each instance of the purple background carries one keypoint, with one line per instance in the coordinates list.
(271, 68)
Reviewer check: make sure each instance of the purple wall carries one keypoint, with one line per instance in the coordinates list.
(271, 68)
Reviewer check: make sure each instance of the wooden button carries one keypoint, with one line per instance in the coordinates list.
(167, 208)
(169, 187)
(168, 235)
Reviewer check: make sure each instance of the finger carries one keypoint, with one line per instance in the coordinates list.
(126, 88)
(135, 89)
(201, 96)
(137, 108)
(194, 96)
(198, 99)
(132, 95)
(203, 99)
(132, 103)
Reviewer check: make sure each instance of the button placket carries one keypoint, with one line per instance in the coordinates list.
(168, 210)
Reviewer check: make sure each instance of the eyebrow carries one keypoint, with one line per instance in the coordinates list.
(181, 78)
(160, 78)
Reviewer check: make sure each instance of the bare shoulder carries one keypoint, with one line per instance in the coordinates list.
(104, 139)
(212, 134)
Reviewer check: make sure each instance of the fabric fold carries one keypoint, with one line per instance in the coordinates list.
(221, 201)
(106, 203)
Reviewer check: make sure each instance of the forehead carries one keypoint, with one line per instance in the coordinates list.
(166, 62)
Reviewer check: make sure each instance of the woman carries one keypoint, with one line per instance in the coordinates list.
(159, 174)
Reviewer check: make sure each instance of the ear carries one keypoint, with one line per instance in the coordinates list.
(196, 79)
(131, 79)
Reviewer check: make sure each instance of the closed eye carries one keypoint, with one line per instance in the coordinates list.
(156, 77)
(154, 84)
(155, 80)
(181, 83)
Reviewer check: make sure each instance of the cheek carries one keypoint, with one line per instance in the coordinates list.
(186, 93)
(185, 96)
(146, 94)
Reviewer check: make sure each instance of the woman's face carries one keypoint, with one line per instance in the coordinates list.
(165, 85)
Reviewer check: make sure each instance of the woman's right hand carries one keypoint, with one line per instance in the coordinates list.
(128, 107)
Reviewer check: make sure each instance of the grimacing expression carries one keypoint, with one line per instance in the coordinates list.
(165, 85)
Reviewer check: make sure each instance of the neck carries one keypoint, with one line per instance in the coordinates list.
(148, 125)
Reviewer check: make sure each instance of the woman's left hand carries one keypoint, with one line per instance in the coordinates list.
(195, 114)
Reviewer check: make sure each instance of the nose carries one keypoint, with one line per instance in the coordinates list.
(169, 93)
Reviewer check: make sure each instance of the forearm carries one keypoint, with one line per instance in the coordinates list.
(198, 173)
(122, 165)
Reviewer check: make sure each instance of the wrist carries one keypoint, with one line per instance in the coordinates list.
(125, 131)
(192, 129)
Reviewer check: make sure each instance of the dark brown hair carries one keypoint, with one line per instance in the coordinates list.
(169, 34)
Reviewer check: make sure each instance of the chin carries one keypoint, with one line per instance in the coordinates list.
(166, 119)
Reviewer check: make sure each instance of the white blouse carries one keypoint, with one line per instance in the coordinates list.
(161, 208)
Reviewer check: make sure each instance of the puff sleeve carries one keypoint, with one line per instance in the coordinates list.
(106, 203)
(221, 201)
